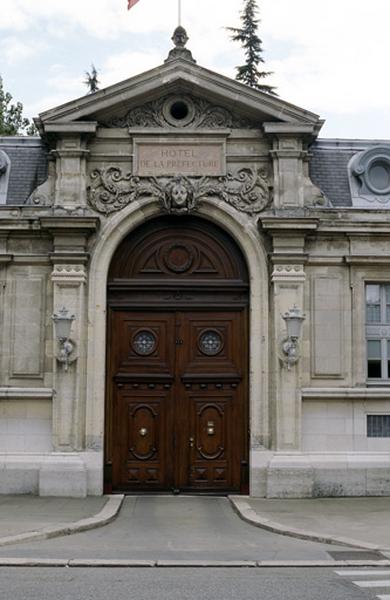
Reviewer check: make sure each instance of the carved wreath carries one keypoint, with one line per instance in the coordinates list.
(247, 190)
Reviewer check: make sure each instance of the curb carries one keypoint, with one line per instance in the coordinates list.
(246, 513)
(105, 516)
(123, 563)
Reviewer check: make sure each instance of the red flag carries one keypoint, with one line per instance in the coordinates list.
(131, 3)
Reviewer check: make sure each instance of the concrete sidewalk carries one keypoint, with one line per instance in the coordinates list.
(29, 518)
(355, 522)
(358, 522)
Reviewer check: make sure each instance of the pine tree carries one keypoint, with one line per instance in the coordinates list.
(91, 80)
(12, 121)
(252, 45)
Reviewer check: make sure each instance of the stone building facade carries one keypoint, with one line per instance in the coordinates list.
(176, 222)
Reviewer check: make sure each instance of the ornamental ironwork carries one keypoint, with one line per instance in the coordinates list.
(247, 190)
(144, 343)
(210, 343)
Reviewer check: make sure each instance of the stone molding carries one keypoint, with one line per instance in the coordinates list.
(338, 393)
(288, 272)
(27, 392)
(67, 273)
(247, 190)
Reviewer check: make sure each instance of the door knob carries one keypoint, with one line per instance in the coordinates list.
(192, 442)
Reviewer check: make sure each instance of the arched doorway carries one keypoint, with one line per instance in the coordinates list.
(177, 360)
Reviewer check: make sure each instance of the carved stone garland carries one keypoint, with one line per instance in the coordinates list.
(247, 190)
(204, 114)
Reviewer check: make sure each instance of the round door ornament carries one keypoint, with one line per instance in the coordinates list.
(210, 342)
(178, 258)
(144, 342)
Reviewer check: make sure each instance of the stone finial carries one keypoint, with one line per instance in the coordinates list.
(180, 39)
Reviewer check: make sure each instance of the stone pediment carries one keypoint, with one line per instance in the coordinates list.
(217, 101)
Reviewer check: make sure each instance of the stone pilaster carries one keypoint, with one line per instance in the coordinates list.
(5, 259)
(69, 290)
(289, 154)
(288, 279)
(71, 154)
(288, 284)
(69, 281)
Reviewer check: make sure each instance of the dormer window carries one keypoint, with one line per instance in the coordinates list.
(369, 173)
(5, 168)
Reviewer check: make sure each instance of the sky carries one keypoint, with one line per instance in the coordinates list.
(329, 57)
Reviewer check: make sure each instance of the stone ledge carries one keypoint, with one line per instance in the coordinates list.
(19, 392)
(366, 393)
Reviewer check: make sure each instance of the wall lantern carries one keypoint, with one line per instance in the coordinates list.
(294, 319)
(62, 326)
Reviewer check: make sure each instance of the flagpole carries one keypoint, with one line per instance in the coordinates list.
(179, 11)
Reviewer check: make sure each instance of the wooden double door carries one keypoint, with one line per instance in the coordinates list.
(177, 360)
(179, 401)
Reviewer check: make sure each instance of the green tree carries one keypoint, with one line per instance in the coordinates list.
(91, 80)
(247, 36)
(12, 121)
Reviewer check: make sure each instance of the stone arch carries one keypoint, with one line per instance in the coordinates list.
(243, 229)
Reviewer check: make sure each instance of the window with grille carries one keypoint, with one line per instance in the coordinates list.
(378, 426)
(378, 331)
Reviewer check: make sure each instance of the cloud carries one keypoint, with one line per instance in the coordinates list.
(327, 57)
(14, 50)
(126, 64)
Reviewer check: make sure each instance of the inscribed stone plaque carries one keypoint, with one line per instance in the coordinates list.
(178, 158)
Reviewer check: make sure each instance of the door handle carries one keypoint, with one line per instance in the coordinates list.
(192, 442)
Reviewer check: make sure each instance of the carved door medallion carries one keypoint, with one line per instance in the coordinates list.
(177, 415)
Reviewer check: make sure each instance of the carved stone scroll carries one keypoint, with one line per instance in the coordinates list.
(247, 190)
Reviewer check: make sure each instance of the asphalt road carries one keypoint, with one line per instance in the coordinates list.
(179, 584)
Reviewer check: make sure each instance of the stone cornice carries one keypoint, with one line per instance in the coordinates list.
(337, 393)
(63, 224)
(289, 258)
(293, 129)
(67, 128)
(368, 259)
(18, 392)
(289, 224)
(65, 258)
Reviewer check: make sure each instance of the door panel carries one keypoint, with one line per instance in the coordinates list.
(143, 344)
(141, 447)
(210, 457)
(210, 367)
(142, 374)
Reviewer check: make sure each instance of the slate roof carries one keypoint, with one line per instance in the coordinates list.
(329, 166)
(29, 162)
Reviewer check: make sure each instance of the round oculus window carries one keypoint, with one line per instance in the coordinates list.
(179, 111)
(378, 176)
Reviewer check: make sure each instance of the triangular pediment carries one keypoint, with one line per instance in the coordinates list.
(117, 105)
